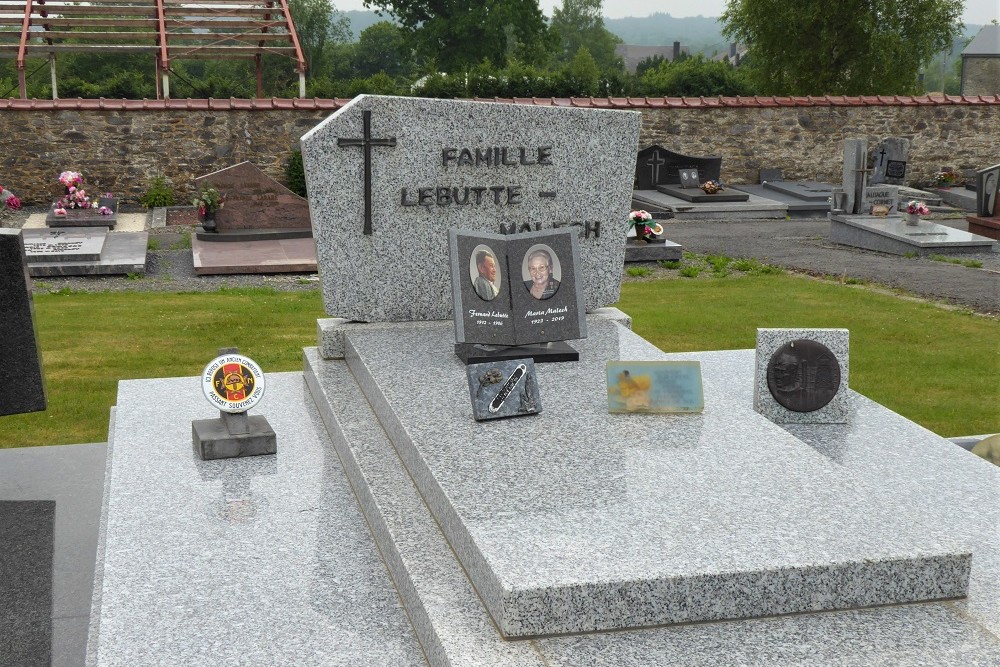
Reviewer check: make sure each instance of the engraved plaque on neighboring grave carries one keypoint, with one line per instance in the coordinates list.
(254, 200)
(801, 375)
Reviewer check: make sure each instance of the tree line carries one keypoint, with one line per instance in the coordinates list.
(508, 48)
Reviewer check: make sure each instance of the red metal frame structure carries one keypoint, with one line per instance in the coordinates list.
(167, 29)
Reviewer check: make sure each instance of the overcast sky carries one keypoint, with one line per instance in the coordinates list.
(976, 11)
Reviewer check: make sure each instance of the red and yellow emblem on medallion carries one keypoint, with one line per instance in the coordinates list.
(233, 383)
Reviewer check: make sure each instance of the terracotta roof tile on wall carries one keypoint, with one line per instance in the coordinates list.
(274, 103)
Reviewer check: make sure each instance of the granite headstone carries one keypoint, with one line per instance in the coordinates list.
(886, 196)
(987, 183)
(254, 200)
(387, 176)
(889, 161)
(22, 385)
(855, 173)
(656, 165)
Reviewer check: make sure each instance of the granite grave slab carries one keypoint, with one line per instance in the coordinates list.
(81, 217)
(269, 553)
(122, 253)
(48, 626)
(794, 206)
(755, 208)
(22, 383)
(456, 630)
(894, 236)
(699, 196)
(254, 200)
(282, 255)
(809, 191)
(423, 166)
(70, 244)
(552, 544)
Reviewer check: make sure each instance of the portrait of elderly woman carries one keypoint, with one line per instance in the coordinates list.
(541, 274)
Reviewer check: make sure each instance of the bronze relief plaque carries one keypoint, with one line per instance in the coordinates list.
(803, 375)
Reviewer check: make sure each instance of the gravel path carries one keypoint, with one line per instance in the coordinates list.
(800, 245)
(804, 245)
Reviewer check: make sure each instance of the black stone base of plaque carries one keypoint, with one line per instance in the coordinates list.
(699, 196)
(662, 250)
(541, 353)
(88, 217)
(216, 439)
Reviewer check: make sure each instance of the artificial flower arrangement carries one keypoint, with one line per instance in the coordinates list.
(71, 179)
(915, 207)
(946, 177)
(9, 199)
(711, 187)
(639, 220)
(208, 200)
(76, 196)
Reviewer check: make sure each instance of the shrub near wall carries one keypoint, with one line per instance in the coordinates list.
(120, 145)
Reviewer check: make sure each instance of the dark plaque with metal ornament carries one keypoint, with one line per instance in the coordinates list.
(803, 375)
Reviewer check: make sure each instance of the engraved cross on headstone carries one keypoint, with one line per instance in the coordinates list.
(367, 142)
(654, 163)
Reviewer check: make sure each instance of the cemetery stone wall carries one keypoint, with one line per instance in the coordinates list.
(120, 144)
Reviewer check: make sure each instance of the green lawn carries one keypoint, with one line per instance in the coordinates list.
(935, 366)
(938, 367)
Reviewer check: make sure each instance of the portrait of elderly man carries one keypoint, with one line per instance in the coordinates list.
(542, 284)
(486, 280)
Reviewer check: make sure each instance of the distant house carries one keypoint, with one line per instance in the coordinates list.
(981, 63)
(633, 54)
(734, 56)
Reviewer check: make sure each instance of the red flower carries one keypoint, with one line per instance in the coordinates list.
(13, 203)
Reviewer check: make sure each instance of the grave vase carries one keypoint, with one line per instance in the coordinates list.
(911, 218)
(208, 221)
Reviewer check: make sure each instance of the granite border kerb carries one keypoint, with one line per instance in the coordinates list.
(480, 574)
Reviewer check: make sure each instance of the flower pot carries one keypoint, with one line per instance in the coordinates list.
(208, 221)
(912, 219)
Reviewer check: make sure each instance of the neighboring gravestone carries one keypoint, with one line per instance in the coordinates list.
(388, 176)
(801, 375)
(889, 161)
(986, 222)
(886, 197)
(254, 200)
(22, 385)
(656, 165)
(987, 184)
(855, 174)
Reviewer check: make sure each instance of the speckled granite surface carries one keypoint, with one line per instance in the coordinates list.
(578, 520)
(887, 457)
(894, 236)
(577, 170)
(261, 561)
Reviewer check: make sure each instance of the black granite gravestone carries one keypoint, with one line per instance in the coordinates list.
(27, 536)
(658, 166)
(22, 386)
